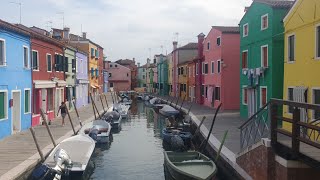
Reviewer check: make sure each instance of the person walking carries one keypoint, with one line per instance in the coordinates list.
(63, 109)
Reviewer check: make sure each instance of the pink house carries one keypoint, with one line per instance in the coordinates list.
(221, 68)
(119, 77)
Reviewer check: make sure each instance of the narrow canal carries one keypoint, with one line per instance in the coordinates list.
(136, 151)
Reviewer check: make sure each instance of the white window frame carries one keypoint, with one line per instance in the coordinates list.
(243, 91)
(243, 31)
(247, 58)
(197, 68)
(28, 57)
(24, 95)
(219, 66)
(294, 48)
(47, 61)
(264, 28)
(261, 95)
(313, 101)
(4, 53)
(5, 104)
(212, 70)
(219, 37)
(261, 52)
(37, 60)
(316, 41)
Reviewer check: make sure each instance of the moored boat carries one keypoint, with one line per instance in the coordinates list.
(114, 118)
(98, 130)
(167, 110)
(189, 165)
(168, 133)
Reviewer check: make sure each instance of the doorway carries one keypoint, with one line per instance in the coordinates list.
(16, 111)
(44, 103)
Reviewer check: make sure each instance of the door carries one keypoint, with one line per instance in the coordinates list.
(16, 111)
(252, 102)
(44, 103)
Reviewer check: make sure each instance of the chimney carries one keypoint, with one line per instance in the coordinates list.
(66, 32)
(200, 45)
(138, 64)
(84, 35)
(175, 44)
(134, 60)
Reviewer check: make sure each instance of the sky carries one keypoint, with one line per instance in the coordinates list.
(129, 28)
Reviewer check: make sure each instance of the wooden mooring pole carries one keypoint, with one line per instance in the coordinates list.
(95, 107)
(106, 100)
(102, 104)
(47, 126)
(74, 131)
(37, 144)
(94, 111)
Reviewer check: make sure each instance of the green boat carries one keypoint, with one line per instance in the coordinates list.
(188, 165)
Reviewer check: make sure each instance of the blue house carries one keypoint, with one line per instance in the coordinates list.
(15, 79)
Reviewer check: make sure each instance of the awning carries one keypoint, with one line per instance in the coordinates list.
(44, 84)
(61, 83)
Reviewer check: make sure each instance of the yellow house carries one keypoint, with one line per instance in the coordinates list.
(170, 73)
(183, 80)
(302, 57)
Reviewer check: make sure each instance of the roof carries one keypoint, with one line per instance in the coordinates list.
(189, 46)
(227, 29)
(11, 27)
(125, 61)
(74, 37)
(152, 65)
(277, 3)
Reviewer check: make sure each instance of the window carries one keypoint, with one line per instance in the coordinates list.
(143, 69)
(244, 59)
(110, 75)
(35, 60)
(197, 69)
(143, 76)
(181, 88)
(66, 65)
(111, 84)
(264, 22)
(206, 68)
(202, 90)
(49, 63)
(27, 101)
(73, 65)
(218, 41)
(58, 62)
(206, 93)
(290, 98)
(318, 42)
(2, 53)
(263, 96)
(185, 87)
(115, 65)
(208, 45)
(316, 100)
(245, 30)
(212, 67)
(291, 48)
(182, 71)
(217, 93)
(264, 56)
(3, 104)
(127, 75)
(219, 66)
(110, 65)
(244, 96)
(25, 57)
(92, 52)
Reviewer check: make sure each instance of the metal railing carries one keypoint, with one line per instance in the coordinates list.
(255, 128)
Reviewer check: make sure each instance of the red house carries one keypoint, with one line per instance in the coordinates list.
(221, 68)
(48, 74)
(198, 70)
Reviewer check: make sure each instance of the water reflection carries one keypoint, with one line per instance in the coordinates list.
(136, 152)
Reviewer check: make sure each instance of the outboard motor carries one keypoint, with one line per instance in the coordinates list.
(93, 133)
(43, 172)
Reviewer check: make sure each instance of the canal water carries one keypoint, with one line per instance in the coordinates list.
(136, 152)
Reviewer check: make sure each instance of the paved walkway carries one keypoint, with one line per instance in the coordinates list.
(18, 152)
(226, 120)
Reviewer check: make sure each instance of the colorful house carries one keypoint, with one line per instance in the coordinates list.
(70, 74)
(162, 68)
(131, 64)
(15, 88)
(170, 74)
(220, 68)
(191, 81)
(181, 55)
(82, 81)
(100, 69)
(119, 81)
(48, 68)
(261, 49)
(105, 75)
(301, 57)
(197, 61)
(142, 75)
(183, 80)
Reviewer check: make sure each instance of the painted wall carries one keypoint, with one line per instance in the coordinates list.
(163, 76)
(82, 79)
(304, 71)
(183, 79)
(170, 74)
(100, 67)
(121, 81)
(191, 80)
(18, 78)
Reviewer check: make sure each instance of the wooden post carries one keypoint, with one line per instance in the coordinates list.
(102, 104)
(94, 111)
(295, 132)
(36, 142)
(273, 111)
(74, 131)
(48, 129)
(75, 107)
(184, 98)
(94, 104)
(106, 100)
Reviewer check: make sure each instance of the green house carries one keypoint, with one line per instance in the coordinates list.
(162, 66)
(261, 54)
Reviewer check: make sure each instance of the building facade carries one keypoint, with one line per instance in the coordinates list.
(170, 74)
(162, 68)
(82, 81)
(191, 81)
(302, 54)
(15, 89)
(131, 64)
(70, 74)
(199, 87)
(142, 75)
(221, 68)
(261, 49)
(119, 81)
(183, 80)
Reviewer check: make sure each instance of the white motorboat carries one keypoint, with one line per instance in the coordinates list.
(114, 118)
(98, 130)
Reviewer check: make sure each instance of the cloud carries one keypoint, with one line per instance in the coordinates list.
(128, 28)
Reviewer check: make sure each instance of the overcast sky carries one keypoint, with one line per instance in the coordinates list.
(129, 28)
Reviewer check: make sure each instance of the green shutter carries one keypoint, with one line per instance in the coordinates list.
(2, 105)
(26, 101)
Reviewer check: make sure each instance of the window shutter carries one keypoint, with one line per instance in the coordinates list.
(2, 105)
(92, 73)
(245, 96)
(66, 60)
(244, 60)
(26, 100)
(264, 96)
(73, 65)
